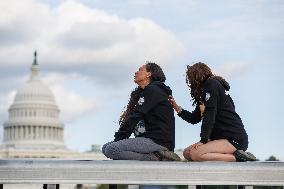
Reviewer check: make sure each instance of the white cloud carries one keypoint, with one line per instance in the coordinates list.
(234, 69)
(72, 104)
(73, 34)
(245, 31)
(57, 78)
(140, 2)
(6, 100)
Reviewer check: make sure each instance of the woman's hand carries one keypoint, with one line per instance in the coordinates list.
(188, 151)
(177, 108)
(202, 108)
(195, 146)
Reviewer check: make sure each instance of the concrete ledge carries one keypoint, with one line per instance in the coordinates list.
(138, 172)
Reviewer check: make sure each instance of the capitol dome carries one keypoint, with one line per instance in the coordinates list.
(34, 116)
(34, 91)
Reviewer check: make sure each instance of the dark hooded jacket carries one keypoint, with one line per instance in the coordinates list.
(220, 120)
(153, 117)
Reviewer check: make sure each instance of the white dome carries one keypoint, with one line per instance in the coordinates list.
(34, 116)
(34, 91)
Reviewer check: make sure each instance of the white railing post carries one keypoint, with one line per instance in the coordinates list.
(248, 187)
(191, 187)
(133, 186)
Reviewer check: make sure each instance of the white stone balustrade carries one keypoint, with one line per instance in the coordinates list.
(143, 173)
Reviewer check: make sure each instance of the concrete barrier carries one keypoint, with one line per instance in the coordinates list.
(15, 171)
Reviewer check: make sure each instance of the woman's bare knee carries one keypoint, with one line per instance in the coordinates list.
(186, 154)
(196, 155)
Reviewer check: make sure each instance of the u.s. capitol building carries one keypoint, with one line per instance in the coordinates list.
(34, 129)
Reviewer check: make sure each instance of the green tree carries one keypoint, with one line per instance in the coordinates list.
(272, 158)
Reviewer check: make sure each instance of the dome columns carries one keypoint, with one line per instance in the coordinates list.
(35, 133)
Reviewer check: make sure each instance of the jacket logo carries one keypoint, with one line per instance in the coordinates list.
(207, 96)
(141, 101)
(140, 128)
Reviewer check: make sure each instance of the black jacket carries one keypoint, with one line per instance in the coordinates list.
(220, 120)
(153, 117)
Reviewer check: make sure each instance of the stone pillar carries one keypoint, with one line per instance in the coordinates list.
(57, 133)
(16, 133)
(5, 134)
(36, 132)
(19, 132)
(40, 132)
(53, 133)
(45, 132)
(10, 133)
(13, 133)
(49, 132)
(22, 132)
(32, 132)
(29, 132)
(25, 131)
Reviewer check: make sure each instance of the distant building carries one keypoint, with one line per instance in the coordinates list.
(34, 129)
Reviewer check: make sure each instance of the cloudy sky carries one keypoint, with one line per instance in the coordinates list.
(88, 51)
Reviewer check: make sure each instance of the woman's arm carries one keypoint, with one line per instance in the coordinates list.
(191, 117)
(128, 126)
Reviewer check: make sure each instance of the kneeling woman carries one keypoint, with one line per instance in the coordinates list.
(223, 137)
(150, 116)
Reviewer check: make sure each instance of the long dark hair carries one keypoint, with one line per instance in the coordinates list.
(157, 74)
(195, 77)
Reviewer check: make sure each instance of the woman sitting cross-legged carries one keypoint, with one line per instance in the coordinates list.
(150, 116)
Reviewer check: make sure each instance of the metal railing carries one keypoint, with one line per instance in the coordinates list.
(17, 171)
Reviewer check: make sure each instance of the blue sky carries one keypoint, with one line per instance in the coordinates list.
(88, 51)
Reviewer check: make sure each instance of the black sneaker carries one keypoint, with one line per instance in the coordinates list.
(166, 155)
(243, 156)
